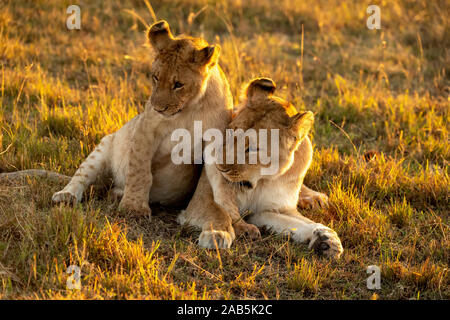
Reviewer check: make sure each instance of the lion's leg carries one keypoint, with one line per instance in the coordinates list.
(225, 197)
(311, 199)
(116, 194)
(139, 176)
(301, 229)
(95, 164)
(222, 193)
(203, 212)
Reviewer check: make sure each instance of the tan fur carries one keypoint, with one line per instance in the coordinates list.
(203, 95)
(272, 199)
(188, 86)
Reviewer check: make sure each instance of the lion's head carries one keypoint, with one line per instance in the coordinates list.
(180, 70)
(262, 110)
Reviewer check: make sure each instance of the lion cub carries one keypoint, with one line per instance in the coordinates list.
(188, 86)
(271, 200)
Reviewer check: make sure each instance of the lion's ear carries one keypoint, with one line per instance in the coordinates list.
(301, 124)
(260, 87)
(207, 56)
(159, 35)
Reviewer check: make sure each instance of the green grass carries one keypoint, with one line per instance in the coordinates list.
(381, 99)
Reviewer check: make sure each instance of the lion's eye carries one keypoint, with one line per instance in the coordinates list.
(177, 85)
(155, 78)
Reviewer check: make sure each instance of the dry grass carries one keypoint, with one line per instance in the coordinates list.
(372, 90)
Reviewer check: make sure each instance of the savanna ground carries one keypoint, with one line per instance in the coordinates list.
(381, 148)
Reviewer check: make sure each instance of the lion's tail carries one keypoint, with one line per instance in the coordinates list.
(31, 173)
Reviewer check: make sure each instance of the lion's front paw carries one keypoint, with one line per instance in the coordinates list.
(246, 229)
(116, 194)
(326, 241)
(135, 208)
(211, 239)
(65, 196)
(314, 200)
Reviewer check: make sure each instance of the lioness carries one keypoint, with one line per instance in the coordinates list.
(272, 200)
(188, 85)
